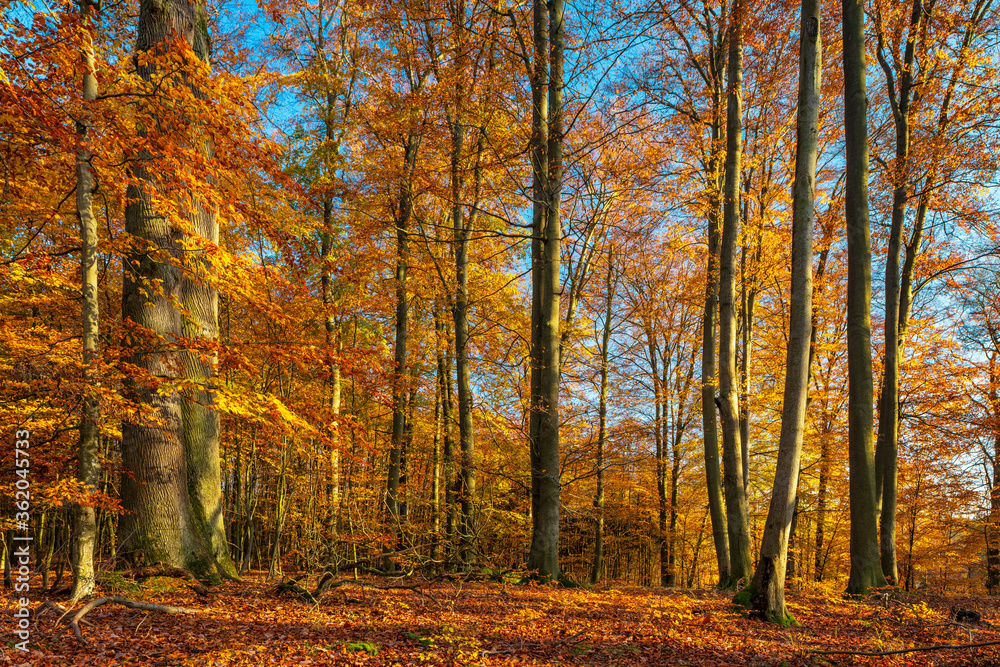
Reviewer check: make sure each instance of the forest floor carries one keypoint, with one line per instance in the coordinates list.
(453, 623)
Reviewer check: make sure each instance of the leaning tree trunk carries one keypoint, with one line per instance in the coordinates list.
(161, 525)
(88, 452)
(866, 567)
(546, 150)
(732, 456)
(767, 590)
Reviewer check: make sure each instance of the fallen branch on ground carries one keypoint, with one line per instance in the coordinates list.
(937, 647)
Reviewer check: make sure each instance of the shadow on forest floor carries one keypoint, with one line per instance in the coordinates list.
(252, 623)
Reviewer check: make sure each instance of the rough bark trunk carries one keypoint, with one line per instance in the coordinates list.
(736, 502)
(866, 569)
(161, 524)
(767, 591)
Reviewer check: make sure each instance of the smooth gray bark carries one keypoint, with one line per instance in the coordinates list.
(768, 586)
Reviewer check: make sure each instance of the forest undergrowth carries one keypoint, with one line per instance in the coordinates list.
(420, 621)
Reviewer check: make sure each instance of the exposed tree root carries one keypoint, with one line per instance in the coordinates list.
(77, 616)
(159, 570)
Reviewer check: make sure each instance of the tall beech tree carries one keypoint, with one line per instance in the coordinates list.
(866, 569)
(546, 151)
(737, 509)
(766, 592)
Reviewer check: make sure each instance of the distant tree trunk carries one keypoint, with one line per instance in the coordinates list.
(438, 433)
(161, 525)
(794, 559)
(659, 449)
(822, 500)
(450, 469)
(405, 462)
(993, 522)
(866, 568)
(602, 428)
(736, 502)
(767, 590)
(547, 168)
(280, 512)
(88, 451)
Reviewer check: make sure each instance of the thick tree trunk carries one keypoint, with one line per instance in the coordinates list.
(158, 495)
(201, 421)
(88, 451)
(736, 501)
(866, 569)
(547, 140)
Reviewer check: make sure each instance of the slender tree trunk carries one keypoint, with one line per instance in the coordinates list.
(602, 428)
(993, 523)
(89, 450)
(659, 449)
(400, 381)
(713, 471)
(438, 432)
(767, 591)
(736, 502)
(888, 424)
(866, 569)
(794, 558)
